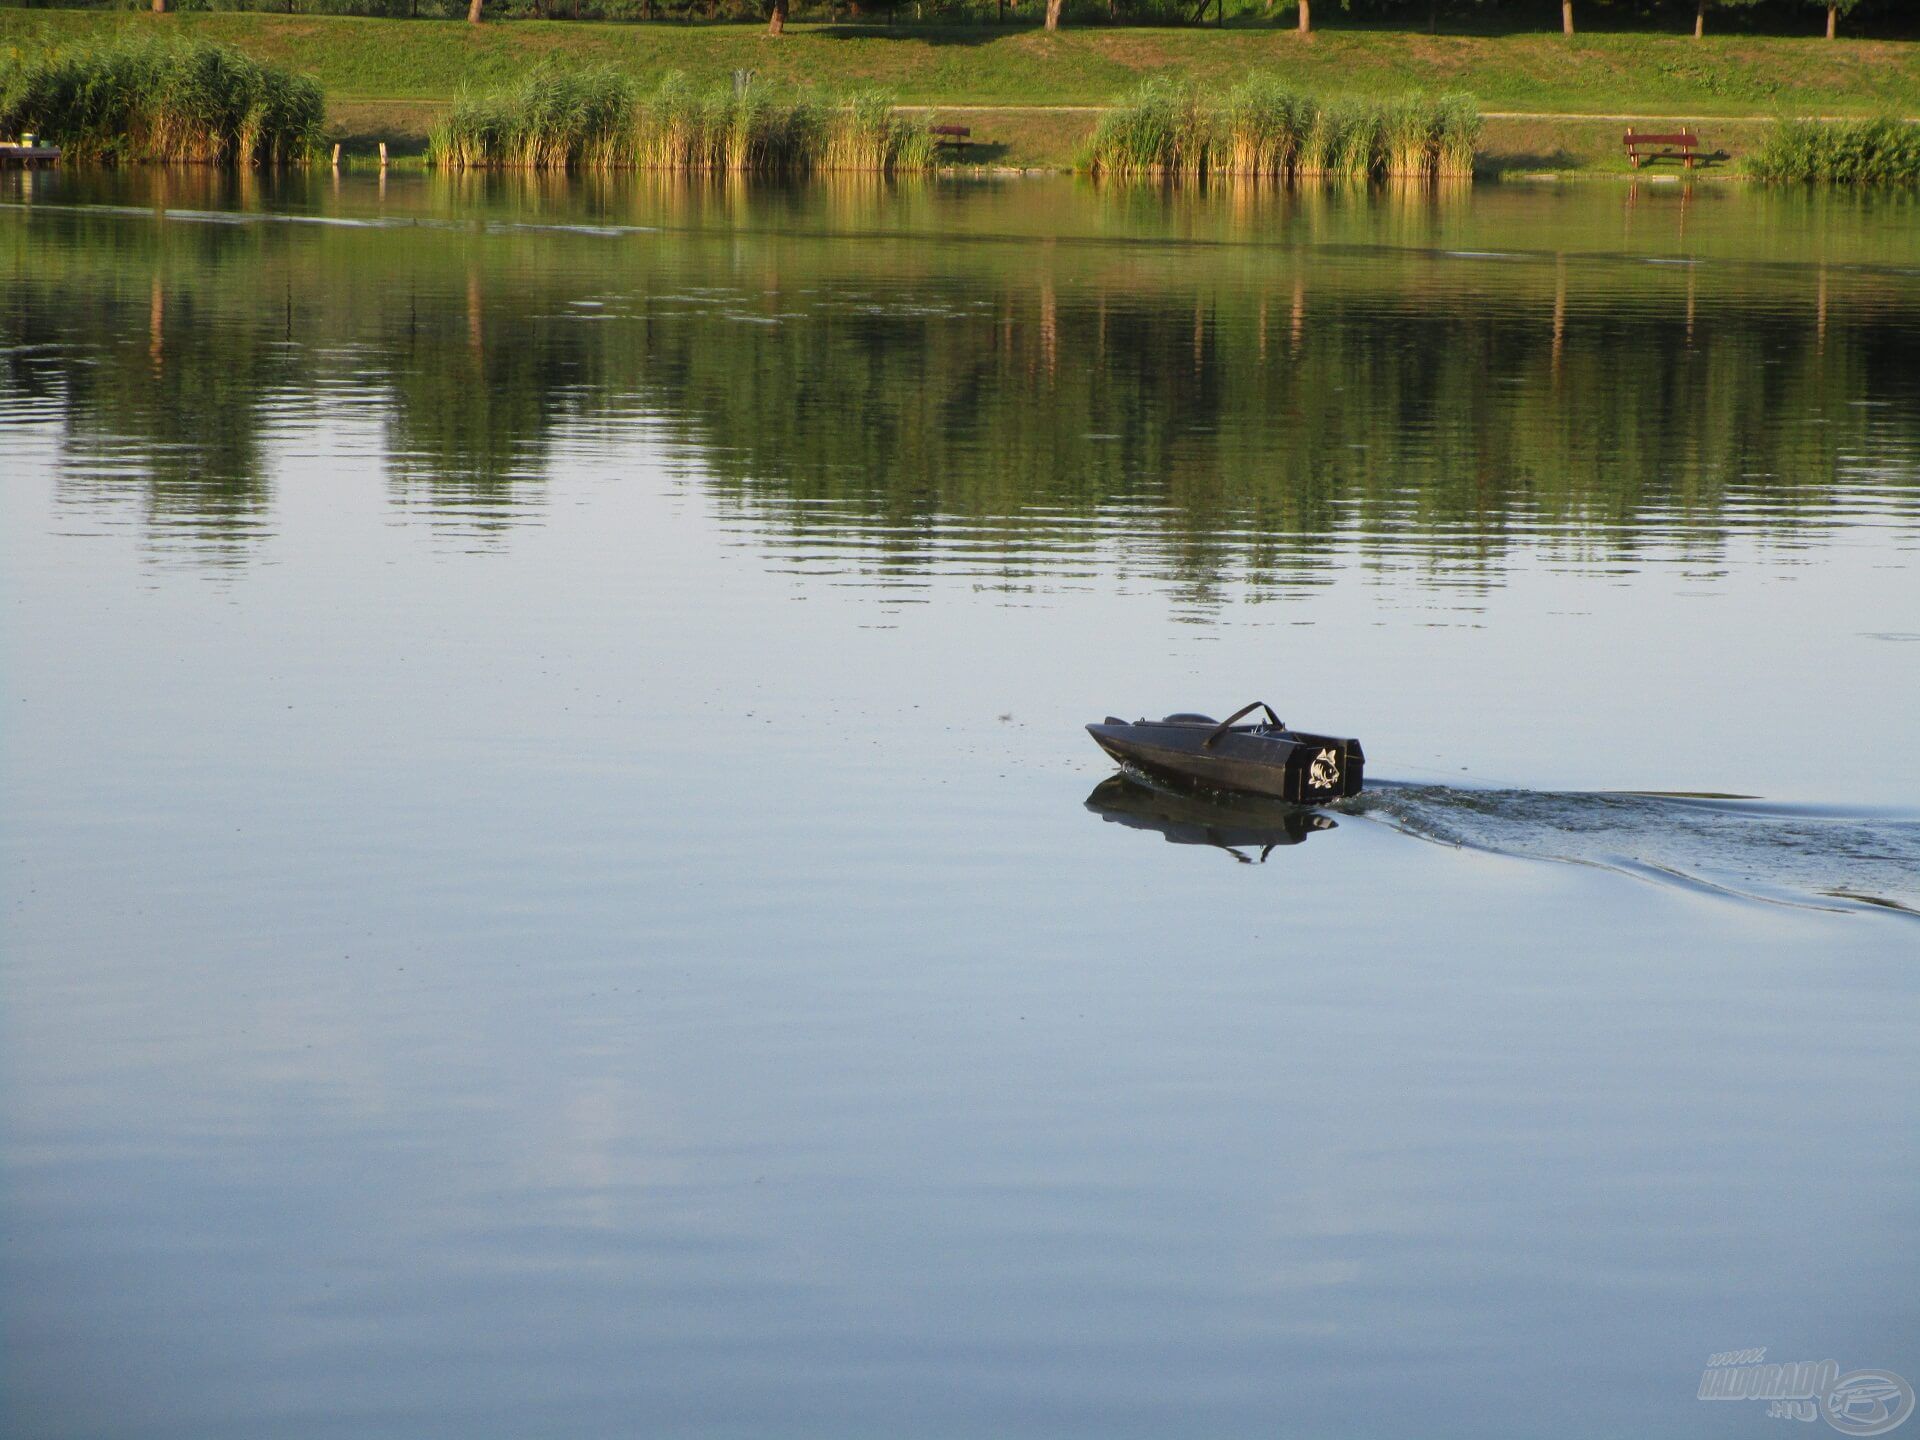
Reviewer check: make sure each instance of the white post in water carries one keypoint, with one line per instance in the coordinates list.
(336, 154)
(383, 154)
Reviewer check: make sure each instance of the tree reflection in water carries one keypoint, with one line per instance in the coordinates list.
(1219, 387)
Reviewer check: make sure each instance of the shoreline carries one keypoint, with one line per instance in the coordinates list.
(1551, 104)
(1017, 139)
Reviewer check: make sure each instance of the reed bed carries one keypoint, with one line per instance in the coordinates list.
(598, 120)
(1264, 128)
(865, 132)
(1162, 128)
(151, 100)
(1885, 151)
(554, 119)
(756, 128)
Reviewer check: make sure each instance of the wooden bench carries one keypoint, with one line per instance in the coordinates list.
(1680, 146)
(949, 134)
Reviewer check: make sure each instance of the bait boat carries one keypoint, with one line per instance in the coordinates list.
(1261, 758)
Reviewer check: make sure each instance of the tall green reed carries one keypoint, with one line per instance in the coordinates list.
(1883, 151)
(1457, 134)
(555, 118)
(1264, 128)
(151, 100)
(754, 127)
(597, 119)
(864, 132)
(1162, 128)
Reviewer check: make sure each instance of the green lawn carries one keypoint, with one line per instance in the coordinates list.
(391, 76)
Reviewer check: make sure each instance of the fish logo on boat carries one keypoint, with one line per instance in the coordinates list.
(1324, 773)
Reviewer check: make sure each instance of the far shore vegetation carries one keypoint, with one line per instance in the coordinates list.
(1547, 101)
(1509, 68)
(1693, 17)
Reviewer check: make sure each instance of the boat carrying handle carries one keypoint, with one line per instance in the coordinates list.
(1241, 714)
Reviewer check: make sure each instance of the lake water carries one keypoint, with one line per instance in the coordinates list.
(553, 882)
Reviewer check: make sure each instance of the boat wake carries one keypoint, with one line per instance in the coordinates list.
(1803, 856)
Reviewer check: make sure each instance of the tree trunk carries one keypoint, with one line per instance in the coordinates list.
(1433, 16)
(1306, 18)
(1053, 13)
(1833, 16)
(1566, 17)
(779, 20)
(1700, 19)
(159, 7)
(473, 12)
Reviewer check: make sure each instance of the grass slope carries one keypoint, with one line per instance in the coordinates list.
(393, 77)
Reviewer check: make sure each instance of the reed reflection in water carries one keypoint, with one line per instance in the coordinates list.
(891, 380)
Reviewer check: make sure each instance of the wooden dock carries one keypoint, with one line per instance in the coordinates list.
(29, 155)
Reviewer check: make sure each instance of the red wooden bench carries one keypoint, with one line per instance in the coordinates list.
(1680, 146)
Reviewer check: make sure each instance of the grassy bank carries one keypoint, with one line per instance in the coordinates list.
(393, 79)
(431, 60)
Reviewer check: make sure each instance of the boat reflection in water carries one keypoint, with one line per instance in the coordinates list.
(1233, 823)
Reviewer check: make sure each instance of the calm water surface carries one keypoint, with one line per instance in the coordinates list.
(552, 881)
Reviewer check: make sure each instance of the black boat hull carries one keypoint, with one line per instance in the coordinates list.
(1291, 765)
